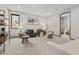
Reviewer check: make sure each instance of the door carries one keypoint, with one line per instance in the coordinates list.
(65, 25)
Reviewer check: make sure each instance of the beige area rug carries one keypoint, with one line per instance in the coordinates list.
(59, 40)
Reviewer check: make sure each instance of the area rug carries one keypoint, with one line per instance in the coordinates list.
(59, 40)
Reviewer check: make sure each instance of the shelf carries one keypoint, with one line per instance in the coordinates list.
(2, 30)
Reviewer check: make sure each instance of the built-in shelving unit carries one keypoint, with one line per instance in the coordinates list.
(2, 30)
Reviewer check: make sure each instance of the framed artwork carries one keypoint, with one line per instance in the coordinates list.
(15, 21)
(32, 21)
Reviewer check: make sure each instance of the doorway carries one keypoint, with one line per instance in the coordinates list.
(65, 25)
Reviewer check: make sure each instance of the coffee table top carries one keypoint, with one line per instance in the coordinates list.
(25, 36)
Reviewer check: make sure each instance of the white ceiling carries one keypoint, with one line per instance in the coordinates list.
(39, 9)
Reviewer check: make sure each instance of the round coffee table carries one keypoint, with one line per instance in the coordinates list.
(25, 39)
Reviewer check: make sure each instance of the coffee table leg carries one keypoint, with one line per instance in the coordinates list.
(22, 41)
(26, 40)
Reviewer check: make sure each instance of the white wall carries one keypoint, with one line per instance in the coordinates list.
(75, 23)
(54, 24)
(23, 22)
